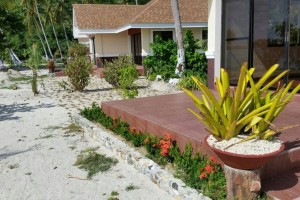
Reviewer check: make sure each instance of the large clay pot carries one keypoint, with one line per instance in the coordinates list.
(241, 161)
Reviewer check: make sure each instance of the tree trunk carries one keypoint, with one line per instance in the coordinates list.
(66, 36)
(37, 30)
(61, 56)
(179, 37)
(38, 14)
(242, 184)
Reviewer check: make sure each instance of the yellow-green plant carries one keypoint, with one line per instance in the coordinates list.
(250, 107)
(33, 63)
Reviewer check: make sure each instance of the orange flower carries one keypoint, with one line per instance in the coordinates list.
(209, 169)
(214, 160)
(168, 137)
(146, 141)
(203, 175)
(164, 152)
(133, 130)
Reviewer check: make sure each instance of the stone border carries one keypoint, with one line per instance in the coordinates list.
(164, 179)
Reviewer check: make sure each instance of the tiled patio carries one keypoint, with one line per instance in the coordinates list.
(167, 114)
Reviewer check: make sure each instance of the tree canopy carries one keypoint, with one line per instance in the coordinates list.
(47, 23)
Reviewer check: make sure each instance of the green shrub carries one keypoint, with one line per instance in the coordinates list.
(78, 72)
(78, 50)
(200, 172)
(112, 70)
(128, 75)
(164, 57)
(187, 82)
(121, 73)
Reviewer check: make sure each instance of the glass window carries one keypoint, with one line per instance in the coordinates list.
(204, 34)
(235, 36)
(165, 35)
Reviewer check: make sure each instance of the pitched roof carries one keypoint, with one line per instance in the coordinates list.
(97, 16)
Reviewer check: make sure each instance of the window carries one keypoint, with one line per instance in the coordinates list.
(277, 23)
(165, 35)
(204, 34)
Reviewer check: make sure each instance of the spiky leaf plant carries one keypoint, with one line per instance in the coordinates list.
(250, 108)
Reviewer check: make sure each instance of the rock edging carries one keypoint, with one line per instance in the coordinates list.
(164, 179)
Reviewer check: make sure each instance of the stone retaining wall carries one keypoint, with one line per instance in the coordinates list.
(164, 179)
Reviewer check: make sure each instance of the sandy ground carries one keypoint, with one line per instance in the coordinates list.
(37, 156)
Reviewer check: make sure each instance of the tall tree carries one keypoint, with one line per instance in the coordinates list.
(179, 37)
(63, 15)
(32, 4)
(50, 15)
(31, 23)
(42, 26)
(12, 32)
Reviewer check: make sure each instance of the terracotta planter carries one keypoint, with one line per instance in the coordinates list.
(241, 161)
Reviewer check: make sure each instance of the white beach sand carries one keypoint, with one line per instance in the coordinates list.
(37, 157)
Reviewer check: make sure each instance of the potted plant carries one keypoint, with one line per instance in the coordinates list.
(244, 113)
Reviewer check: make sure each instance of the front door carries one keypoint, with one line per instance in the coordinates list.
(136, 48)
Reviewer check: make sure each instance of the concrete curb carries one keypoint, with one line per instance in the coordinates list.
(164, 179)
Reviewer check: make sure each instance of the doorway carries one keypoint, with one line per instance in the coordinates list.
(261, 33)
(136, 48)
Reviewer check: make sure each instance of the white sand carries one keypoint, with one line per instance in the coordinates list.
(33, 167)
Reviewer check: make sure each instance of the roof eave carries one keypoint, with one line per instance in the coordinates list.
(129, 26)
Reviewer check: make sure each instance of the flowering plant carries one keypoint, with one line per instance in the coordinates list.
(165, 144)
(211, 166)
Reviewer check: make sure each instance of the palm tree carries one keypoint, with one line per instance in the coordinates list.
(32, 8)
(179, 37)
(61, 14)
(42, 26)
(31, 22)
(51, 16)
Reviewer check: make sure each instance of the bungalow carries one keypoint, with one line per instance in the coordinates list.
(113, 30)
(259, 32)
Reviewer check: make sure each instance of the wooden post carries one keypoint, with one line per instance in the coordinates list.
(242, 184)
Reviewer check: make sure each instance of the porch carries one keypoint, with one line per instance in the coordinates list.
(167, 114)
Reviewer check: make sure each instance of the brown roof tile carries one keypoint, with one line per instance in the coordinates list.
(91, 16)
(160, 11)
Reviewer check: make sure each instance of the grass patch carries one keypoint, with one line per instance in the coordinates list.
(113, 198)
(13, 166)
(93, 162)
(114, 193)
(131, 187)
(73, 128)
(72, 147)
(25, 78)
(10, 87)
(22, 78)
(52, 128)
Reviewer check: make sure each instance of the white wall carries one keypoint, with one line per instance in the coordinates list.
(110, 45)
(214, 34)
